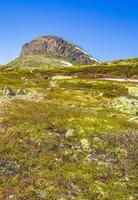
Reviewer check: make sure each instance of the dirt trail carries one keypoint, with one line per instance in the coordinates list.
(119, 80)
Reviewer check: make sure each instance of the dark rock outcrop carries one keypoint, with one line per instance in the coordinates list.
(57, 46)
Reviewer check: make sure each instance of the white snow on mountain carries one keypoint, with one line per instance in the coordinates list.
(87, 54)
(66, 64)
(81, 50)
(95, 59)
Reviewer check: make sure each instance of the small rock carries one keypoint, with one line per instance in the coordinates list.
(111, 163)
(21, 92)
(85, 144)
(93, 157)
(11, 196)
(42, 195)
(113, 115)
(70, 133)
(9, 92)
(96, 139)
(101, 94)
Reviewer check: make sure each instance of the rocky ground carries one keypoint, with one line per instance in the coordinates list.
(67, 136)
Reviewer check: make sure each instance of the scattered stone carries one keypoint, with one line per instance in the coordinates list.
(11, 196)
(93, 157)
(8, 95)
(8, 91)
(21, 92)
(113, 115)
(96, 140)
(111, 163)
(42, 195)
(126, 105)
(101, 94)
(85, 144)
(70, 133)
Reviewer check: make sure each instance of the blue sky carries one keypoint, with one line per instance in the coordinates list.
(107, 29)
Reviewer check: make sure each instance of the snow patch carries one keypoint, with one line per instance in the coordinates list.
(69, 42)
(66, 64)
(87, 54)
(81, 50)
(92, 58)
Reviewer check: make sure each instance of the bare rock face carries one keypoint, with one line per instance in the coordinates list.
(57, 46)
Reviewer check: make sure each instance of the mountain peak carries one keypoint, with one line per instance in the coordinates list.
(57, 46)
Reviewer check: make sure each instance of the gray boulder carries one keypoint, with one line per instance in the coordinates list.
(8, 91)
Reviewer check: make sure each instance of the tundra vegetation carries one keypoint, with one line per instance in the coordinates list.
(65, 134)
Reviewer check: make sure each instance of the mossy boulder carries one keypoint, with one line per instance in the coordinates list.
(128, 105)
(85, 144)
(8, 91)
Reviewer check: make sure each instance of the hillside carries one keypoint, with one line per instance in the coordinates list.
(66, 134)
(125, 62)
(51, 66)
(39, 61)
(54, 144)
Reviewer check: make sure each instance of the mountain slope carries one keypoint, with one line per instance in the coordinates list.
(39, 61)
(58, 47)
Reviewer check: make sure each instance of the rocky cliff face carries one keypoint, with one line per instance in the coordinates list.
(58, 47)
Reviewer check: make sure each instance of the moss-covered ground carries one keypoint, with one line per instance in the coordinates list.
(77, 142)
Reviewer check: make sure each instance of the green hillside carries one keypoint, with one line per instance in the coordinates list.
(65, 134)
(38, 61)
(47, 65)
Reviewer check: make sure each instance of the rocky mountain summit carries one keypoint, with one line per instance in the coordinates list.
(58, 47)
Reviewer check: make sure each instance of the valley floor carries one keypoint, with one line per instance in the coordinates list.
(64, 137)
